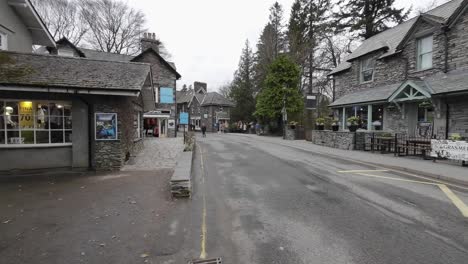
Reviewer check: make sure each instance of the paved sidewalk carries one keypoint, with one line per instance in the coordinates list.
(158, 153)
(442, 170)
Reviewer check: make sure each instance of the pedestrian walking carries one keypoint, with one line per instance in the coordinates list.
(203, 130)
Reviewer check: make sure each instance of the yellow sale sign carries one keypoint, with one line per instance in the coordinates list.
(26, 114)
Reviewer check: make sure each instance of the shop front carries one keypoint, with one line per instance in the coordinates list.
(157, 123)
(77, 119)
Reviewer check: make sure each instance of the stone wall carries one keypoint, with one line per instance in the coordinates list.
(163, 76)
(112, 154)
(339, 139)
(458, 39)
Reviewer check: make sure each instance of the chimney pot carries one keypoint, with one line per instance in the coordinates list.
(154, 36)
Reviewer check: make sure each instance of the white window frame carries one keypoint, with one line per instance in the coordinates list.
(4, 41)
(65, 53)
(139, 124)
(156, 94)
(420, 54)
(361, 70)
(4, 130)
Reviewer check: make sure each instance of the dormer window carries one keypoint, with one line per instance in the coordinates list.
(66, 53)
(367, 70)
(424, 60)
(3, 41)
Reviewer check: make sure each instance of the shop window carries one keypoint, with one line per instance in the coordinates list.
(377, 117)
(425, 114)
(424, 60)
(35, 122)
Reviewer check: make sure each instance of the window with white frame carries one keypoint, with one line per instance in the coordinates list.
(28, 122)
(367, 70)
(66, 53)
(424, 60)
(3, 41)
(156, 94)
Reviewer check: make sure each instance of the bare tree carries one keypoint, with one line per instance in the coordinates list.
(114, 26)
(63, 19)
(225, 89)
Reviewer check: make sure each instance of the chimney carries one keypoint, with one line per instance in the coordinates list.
(149, 41)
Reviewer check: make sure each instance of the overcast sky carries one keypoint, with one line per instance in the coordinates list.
(205, 37)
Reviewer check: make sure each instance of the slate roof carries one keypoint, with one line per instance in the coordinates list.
(439, 84)
(444, 83)
(107, 56)
(365, 96)
(70, 72)
(214, 98)
(184, 96)
(391, 38)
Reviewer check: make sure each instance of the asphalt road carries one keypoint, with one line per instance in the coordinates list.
(258, 202)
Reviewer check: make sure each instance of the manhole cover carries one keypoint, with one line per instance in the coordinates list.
(207, 261)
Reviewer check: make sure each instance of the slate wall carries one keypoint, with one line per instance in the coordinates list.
(339, 139)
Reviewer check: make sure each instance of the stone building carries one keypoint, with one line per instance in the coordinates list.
(209, 108)
(410, 76)
(70, 107)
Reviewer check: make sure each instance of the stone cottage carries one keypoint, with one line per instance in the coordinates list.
(410, 77)
(209, 108)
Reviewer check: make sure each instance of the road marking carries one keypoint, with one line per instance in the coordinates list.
(203, 234)
(455, 200)
(395, 179)
(357, 171)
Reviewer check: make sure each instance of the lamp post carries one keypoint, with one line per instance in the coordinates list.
(285, 113)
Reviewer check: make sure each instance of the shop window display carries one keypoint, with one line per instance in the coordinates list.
(35, 122)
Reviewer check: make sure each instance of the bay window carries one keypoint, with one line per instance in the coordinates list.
(27, 122)
(424, 47)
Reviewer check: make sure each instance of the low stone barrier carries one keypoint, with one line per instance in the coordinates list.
(181, 180)
(334, 139)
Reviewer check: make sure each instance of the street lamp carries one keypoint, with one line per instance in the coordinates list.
(285, 113)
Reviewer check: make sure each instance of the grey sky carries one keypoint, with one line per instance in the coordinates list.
(205, 37)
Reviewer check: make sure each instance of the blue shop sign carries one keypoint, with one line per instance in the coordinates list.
(183, 117)
(167, 95)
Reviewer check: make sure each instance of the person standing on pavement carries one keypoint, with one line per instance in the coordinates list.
(203, 129)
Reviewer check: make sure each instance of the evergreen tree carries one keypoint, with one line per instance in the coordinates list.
(368, 17)
(282, 81)
(242, 89)
(271, 43)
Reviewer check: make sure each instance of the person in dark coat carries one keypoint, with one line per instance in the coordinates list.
(203, 129)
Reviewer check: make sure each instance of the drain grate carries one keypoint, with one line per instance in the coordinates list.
(207, 261)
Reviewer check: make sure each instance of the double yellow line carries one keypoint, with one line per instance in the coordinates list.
(452, 196)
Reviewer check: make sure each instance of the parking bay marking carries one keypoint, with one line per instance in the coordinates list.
(461, 206)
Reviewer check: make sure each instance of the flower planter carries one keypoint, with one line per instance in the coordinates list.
(353, 128)
(320, 127)
(335, 128)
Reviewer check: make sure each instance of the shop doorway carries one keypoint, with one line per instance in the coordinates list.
(162, 127)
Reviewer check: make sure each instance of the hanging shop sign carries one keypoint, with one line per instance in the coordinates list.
(106, 126)
(167, 95)
(311, 101)
(183, 118)
(449, 149)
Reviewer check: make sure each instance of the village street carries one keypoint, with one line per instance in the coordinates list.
(270, 203)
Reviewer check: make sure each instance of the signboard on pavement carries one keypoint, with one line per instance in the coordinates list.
(184, 118)
(449, 149)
